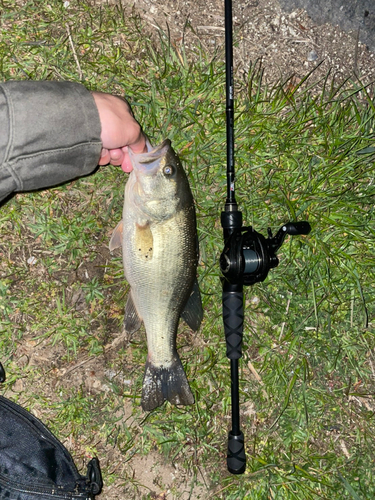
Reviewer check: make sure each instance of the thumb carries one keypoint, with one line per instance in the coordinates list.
(139, 146)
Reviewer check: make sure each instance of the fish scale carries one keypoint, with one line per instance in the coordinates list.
(151, 284)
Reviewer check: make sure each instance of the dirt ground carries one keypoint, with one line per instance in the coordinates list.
(288, 45)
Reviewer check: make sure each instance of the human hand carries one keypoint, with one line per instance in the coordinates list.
(120, 130)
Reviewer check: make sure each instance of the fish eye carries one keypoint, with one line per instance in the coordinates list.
(168, 170)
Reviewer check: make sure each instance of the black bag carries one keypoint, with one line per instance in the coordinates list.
(34, 465)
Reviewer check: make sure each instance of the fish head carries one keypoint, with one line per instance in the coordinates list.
(158, 185)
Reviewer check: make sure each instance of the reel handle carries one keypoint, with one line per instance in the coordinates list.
(294, 228)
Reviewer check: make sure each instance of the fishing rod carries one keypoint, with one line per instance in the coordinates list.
(246, 259)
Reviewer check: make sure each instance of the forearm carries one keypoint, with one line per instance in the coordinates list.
(50, 133)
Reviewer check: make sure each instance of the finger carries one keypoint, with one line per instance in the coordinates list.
(116, 156)
(104, 157)
(126, 164)
(139, 146)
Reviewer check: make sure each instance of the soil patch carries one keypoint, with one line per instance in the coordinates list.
(286, 44)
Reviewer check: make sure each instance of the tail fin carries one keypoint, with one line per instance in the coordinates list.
(161, 384)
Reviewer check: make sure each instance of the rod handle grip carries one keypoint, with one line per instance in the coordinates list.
(233, 315)
(236, 458)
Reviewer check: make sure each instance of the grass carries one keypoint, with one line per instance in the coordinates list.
(301, 153)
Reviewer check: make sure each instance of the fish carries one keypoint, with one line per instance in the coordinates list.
(158, 235)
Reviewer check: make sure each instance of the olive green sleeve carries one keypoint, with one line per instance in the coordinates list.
(49, 134)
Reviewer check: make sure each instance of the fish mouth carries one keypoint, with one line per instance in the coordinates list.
(148, 163)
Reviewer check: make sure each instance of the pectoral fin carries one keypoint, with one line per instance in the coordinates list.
(132, 321)
(144, 241)
(116, 238)
(193, 311)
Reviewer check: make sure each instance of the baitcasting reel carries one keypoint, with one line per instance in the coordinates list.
(248, 255)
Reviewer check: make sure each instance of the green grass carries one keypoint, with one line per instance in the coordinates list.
(301, 153)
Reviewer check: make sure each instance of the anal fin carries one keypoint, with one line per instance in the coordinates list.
(132, 321)
(193, 310)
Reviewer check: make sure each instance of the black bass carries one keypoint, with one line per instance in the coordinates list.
(160, 256)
